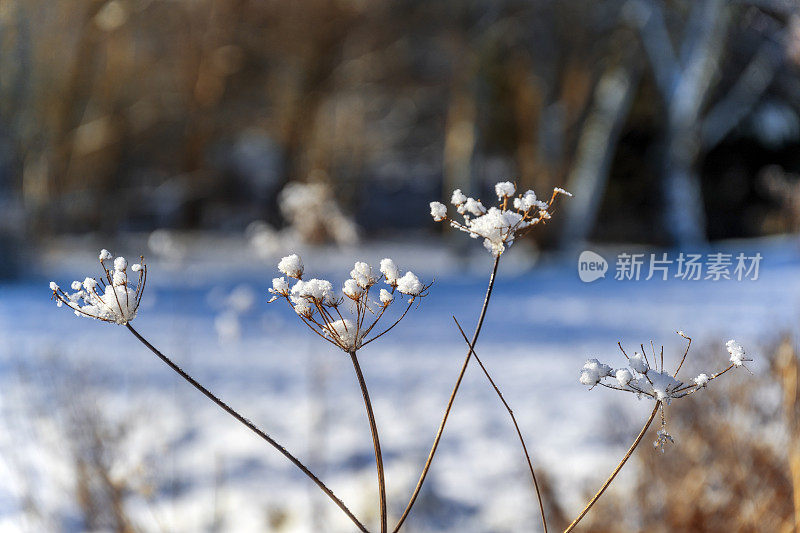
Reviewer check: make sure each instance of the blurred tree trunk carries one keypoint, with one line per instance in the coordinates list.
(684, 74)
(596, 147)
(684, 214)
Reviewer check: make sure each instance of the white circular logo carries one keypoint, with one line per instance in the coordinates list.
(591, 266)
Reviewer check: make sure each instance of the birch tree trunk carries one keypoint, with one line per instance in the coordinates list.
(595, 152)
(684, 212)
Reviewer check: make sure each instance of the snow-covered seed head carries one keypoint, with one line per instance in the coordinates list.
(114, 299)
(292, 266)
(362, 274)
(345, 334)
(386, 297)
(458, 198)
(438, 211)
(302, 306)
(279, 286)
(474, 207)
(316, 291)
(505, 189)
(736, 351)
(410, 284)
(351, 289)
(593, 371)
(315, 302)
(639, 363)
(119, 277)
(646, 380)
(390, 271)
(498, 226)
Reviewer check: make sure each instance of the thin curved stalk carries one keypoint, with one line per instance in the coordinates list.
(375, 440)
(516, 426)
(439, 432)
(616, 470)
(252, 427)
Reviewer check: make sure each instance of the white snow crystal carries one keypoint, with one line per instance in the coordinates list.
(120, 264)
(663, 385)
(279, 286)
(701, 380)
(390, 271)
(438, 211)
(527, 201)
(661, 439)
(76, 285)
(458, 198)
(737, 353)
(593, 371)
(362, 274)
(343, 332)
(638, 363)
(559, 190)
(292, 266)
(119, 277)
(409, 284)
(302, 306)
(589, 378)
(351, 289)
(505, 189)
(320, 290)
(105, 255)
(386, 297)
(117, 304)
(136, 267)
(474, 206)
(623, 376)
(53, 286)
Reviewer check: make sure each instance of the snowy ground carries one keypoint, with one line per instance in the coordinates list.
(188, 467)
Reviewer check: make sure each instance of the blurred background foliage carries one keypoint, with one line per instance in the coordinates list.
(672, 121)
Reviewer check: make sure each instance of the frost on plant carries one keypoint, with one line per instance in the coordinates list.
(498, 226)
(646, 378)
(112, 298)
(323, 310)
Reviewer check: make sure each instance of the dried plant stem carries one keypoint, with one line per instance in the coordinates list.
(252, 427)
(616, 470)
(440, 431)
(375, 440)
(516, 426)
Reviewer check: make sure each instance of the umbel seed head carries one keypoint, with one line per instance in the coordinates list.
(498, 226)
(319, 308)
(113, 298)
